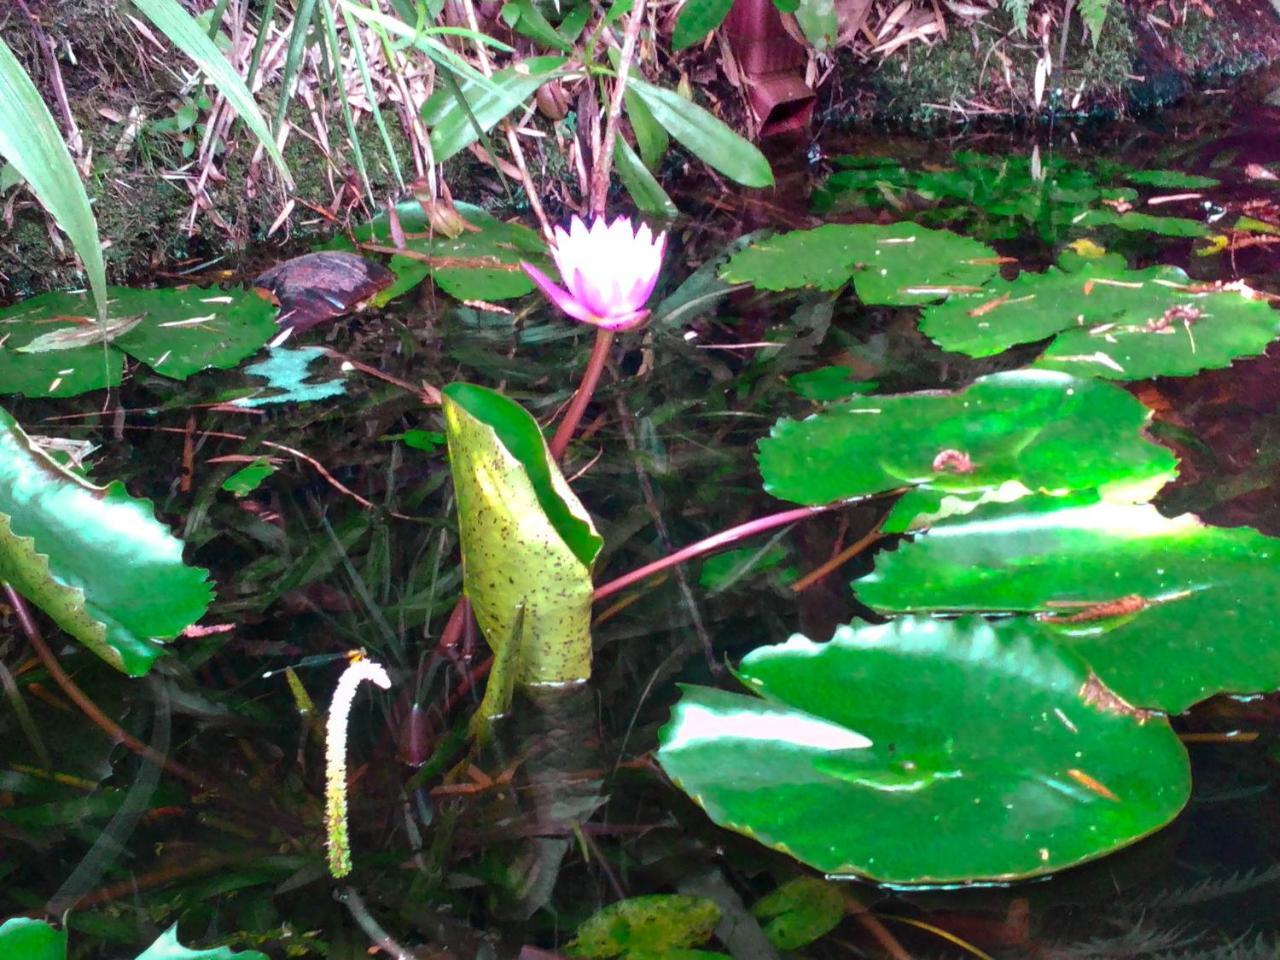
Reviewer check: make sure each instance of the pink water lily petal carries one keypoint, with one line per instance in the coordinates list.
(558, 295)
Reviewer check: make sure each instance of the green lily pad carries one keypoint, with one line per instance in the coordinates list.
(482, 263)
(50, 345)
(897, 265)
(993, 754)
(799, 912)
(1134, 222)
(1111, 322)
(1192, 607)
(1005, 435)
(527, 542)
(653, 925)
(93, 558)
(22, 937)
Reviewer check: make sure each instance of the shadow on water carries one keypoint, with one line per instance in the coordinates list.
(566, 810)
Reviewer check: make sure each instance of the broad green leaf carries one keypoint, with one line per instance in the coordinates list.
(176, 24)
(31, 142)
(899, 264)
(1196, 604)
(167, 947)
(651, 925)
(247, 479)
(1094, 15)
(525, 18)
(454, 127)
(647, 193)
(1118, 323)
(1004, 436)
(93, 558)
(479, 264)
(705, 136)
(818, 22)
(696, 19)
(25, 939)
(51, 346)
(526, 540)
(800, 911)
(926, 751)
(651, 140)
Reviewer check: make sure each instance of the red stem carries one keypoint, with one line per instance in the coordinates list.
(718, 541)
(586, 389)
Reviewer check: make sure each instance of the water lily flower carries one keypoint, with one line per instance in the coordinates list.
(609, 270)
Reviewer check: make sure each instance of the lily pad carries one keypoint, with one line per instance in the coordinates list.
(654, 925)
(1167, 611)
(1111, 322)
(93, 558)
(167, 947)
(1005, 435)
(527, 542)
(480, 263)
(32, 940)
(989, 753)
(800, 911)
(896, 265)
(51, 346)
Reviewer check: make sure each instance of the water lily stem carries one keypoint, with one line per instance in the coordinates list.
(586, 389)
(718, 541)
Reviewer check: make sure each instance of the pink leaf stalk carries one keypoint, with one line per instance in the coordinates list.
(609, 271)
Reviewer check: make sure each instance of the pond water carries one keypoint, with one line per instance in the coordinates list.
(350, 543)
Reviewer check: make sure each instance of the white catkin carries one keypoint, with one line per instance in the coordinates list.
(335, 759)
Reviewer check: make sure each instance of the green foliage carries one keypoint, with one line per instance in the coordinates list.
(1094, 14)
(696, 19)
(50, 348)
(800, 911)
(93, 558)
(527, 543)
(1057, 775)
(24, 939)
(647, 928)
(31, 142)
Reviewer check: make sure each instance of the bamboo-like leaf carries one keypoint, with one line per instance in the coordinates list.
(645, 190)
(186, 35)
(705, 136)
(32, 143)
(696, 19)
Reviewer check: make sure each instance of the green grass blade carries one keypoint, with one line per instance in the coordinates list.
(425, 40)
(362, 65)
(340, 86)
(186, 34)
(32, 142)
(293, 58)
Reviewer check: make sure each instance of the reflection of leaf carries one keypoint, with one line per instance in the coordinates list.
(526, 540)
(285, 370)
(800, 911)
(1194, 605)
(981, 752)
(1008, 433)
(93, 558)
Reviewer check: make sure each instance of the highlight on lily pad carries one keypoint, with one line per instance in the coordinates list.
(952, 750)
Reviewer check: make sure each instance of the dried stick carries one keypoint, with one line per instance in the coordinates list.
(602, 163)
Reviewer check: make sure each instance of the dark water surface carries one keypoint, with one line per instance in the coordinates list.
(483, 868)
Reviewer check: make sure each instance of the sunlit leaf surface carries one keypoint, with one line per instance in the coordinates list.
(93, 558)
(1006, 435)
(1194, 605)
(28, 939)
(527, 543)
(899, 264)
(650, 926)
(981, 751)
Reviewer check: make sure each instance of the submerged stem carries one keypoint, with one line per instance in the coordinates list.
(586, 389)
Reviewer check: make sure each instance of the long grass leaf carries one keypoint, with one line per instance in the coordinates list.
(425, 40)
(187, 36)
(340, 85)
(302, 14)
(362, 66)
(32, 142)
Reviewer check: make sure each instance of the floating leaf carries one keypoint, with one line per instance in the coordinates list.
(1005, 435)
(652, 925)
(993, 754)
(799, 912)
(93, 558)
(899, 264)
(1192, 608)
(1135, 222)
(25, 939)
(526, 540)
(1112, 322)
(50, 345)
